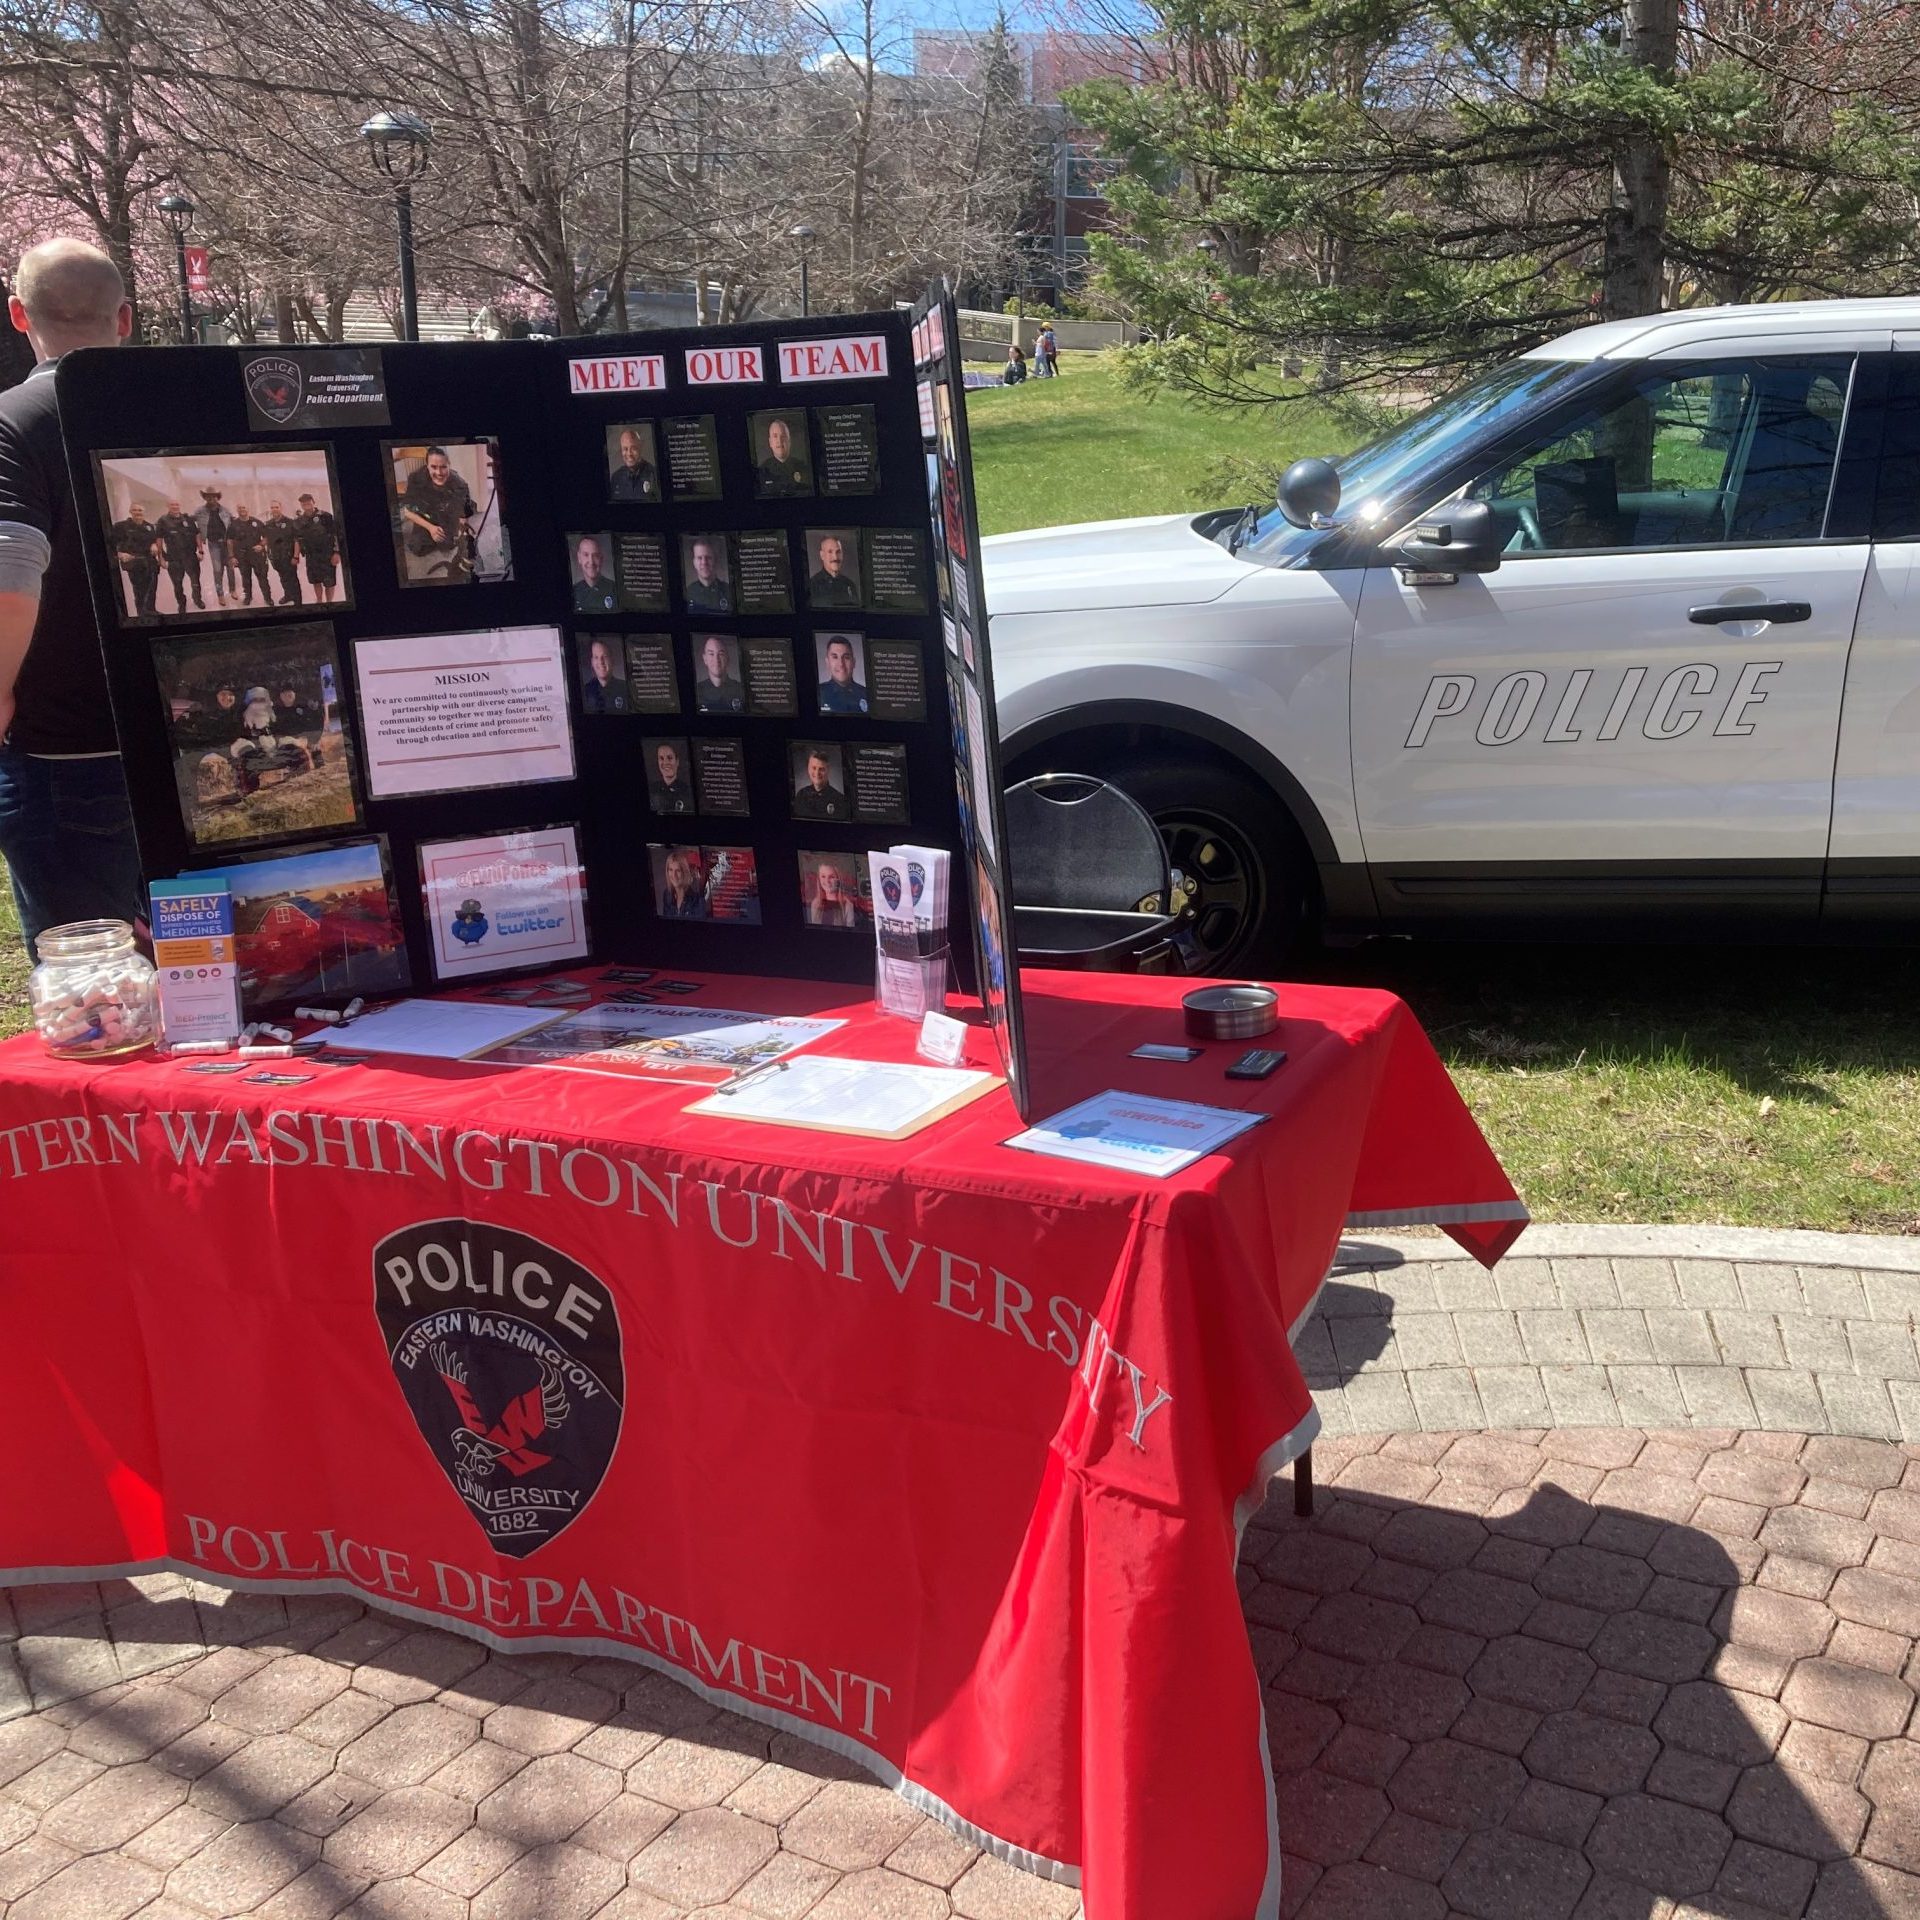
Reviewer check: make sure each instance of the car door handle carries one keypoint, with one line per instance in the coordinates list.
(1780, 612)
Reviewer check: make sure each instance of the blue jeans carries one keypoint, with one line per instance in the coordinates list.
(66, 833)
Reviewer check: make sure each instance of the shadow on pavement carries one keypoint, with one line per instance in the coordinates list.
(1557, 1707)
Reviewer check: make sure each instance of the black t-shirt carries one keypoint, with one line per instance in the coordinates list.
(61, 693)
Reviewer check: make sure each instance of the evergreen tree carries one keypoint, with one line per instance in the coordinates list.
(1401, 191)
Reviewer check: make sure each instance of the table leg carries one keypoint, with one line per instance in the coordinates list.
(1303, 1486)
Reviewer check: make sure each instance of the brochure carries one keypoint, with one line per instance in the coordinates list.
(194, 957)
(1136, 1133)
(706, 1045)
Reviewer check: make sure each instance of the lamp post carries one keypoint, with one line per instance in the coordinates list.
(179, 212)
(398, 144)
(804, 234)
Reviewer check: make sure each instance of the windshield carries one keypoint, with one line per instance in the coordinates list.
(1371, 476)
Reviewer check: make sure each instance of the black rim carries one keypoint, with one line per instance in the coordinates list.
(1218, 874)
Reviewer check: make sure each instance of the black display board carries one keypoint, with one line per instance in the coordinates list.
(961, 582)
(766, 485)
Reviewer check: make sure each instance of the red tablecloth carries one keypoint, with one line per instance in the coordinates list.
(930, 1451)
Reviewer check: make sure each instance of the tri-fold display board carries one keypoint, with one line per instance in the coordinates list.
(467, 660)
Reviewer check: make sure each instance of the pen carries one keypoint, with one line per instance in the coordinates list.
(739, 1080)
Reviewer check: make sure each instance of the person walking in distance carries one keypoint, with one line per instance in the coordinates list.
(66, 828)
(1046, 352)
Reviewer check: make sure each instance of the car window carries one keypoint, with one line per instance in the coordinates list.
(1896, 507)
(1727, 453)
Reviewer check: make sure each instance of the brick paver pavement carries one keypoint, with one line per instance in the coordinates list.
(1410, 1334)
(1593, 1674)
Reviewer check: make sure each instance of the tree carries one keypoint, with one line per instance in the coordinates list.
(1409, 190)
(69, 97)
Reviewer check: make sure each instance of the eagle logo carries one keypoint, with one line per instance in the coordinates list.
(480, 1445)
(274, 387)
(507, 1353)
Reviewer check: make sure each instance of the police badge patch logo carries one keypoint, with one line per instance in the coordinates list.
(274, 387)
(508, 1355)
(890, 885)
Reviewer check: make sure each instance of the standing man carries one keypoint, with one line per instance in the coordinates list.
(283, 553)
(319, 539)
(180, 548)
(136, 546)
(212, 522)
(247, 537)
(1046, 352)
(66, 829)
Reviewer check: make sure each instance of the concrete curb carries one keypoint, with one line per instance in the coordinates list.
(1879, 1252)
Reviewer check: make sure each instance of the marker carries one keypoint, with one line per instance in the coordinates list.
(200, 1046)
(266, 1053)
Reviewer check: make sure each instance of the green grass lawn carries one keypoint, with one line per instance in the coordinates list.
(1083, 447)
(14, 965)
(1742, 1086)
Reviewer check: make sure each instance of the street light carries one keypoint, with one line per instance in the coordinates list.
(804, 234)
(398, 144)
(179, 212)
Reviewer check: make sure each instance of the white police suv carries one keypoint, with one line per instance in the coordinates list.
(1624, 636)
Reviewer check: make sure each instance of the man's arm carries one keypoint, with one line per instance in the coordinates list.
(24, 553)
(17, 614)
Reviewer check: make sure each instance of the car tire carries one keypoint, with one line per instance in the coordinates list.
(1238, 859)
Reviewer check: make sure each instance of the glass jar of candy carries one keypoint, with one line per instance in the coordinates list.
(93, 994)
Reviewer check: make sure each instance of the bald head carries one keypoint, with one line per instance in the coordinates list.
(67, 294)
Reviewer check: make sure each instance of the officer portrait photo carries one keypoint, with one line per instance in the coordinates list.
(603, 677)
(222, 533)
(706, 883)
(782, 459)
(819, 781)
(717, 686)
(669, 775)
(706, 573)
(842, 660)
(832, 893)
(633, 465)
(833, 568)
(259, 747)
(446, 519)
(590, 572)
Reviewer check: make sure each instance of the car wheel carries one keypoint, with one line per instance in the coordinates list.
(1236, 857)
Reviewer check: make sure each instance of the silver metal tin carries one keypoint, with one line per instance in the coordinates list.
(1231, 1013)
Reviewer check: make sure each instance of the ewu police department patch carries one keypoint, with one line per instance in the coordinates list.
(274, 385)
(508, 1353)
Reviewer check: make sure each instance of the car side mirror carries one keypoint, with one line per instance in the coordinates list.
(1309, 492)
(1460, 537)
